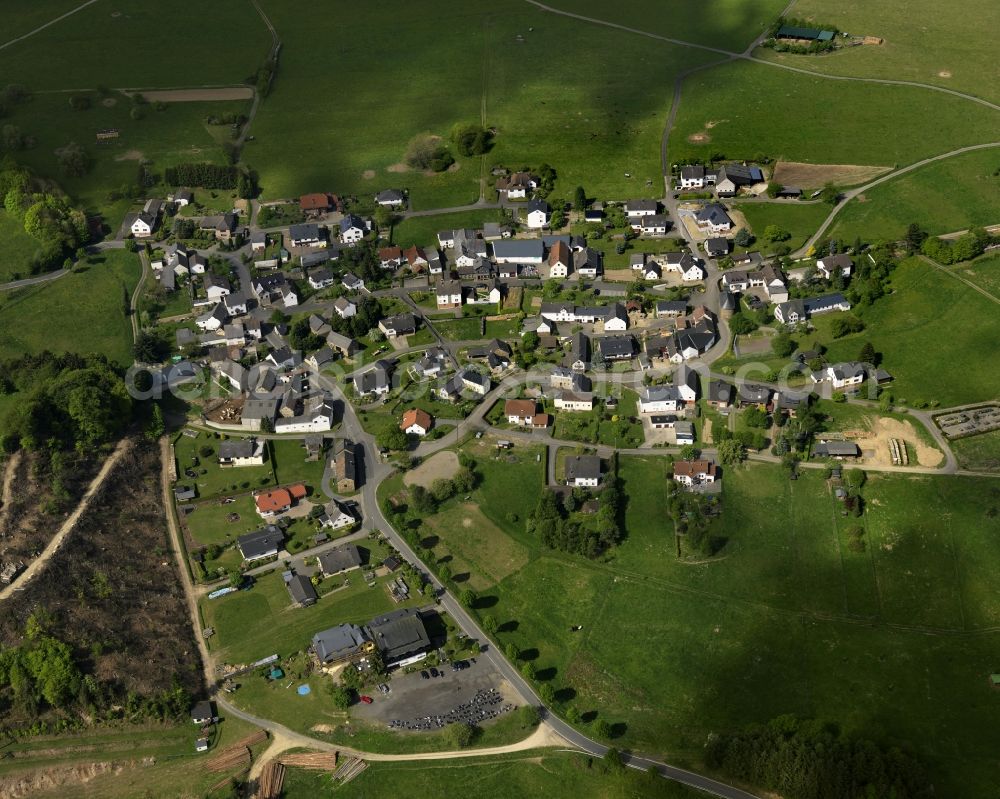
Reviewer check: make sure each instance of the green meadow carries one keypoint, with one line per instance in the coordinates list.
(81, 312)
(801, 220)
(944, 197)
(741, 109)
(17, 251)
(920, 43)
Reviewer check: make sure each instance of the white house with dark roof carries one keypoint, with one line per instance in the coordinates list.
(714, 218)
(538, 214)
(831, 265)
(353, 229)
(692, 177)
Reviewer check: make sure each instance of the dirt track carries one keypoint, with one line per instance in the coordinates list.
(197, 95)
(67, 526)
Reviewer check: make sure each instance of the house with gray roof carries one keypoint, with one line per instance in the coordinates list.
(262, 543)
(343, 642)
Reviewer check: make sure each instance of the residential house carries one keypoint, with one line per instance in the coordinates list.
(475, 382)
(588, 263)
(616, 320)
(434, 362)
(583, 471)
(716, 247)
(416, 259)
(617, 348)
(214, 319)
(560, 260)
(720, 395)
(222, 225)
(203, 713)
(752, 394)
(347, 347)
(684, 433)
(235, 303)
(671, 309)
(317, 203)
(692, 177)
(688, 384)
(258, 241)
(731, 177)
(320, 359)
(538, 214)
(449, 294)
(579, 352)
(317, 418)
(400, 636)
(693, 473)
(377, 380)
(216, 287)
(353, 229)
(654, 225)
(335, 516)
(400, 325)
(390, 257)
(517, 186)
(341, 643)
(344, 307)
(242, 452)
(306, 235)
(831, 265)
(342, 559)
(713, 218)
(795, 311)
(660, 399)
(256, 409)
(492, 231)
(416, 422)
(320, 279)
(636, 209)
(352, 282)
(521, 412)
(637, 261)
(183, 197)
(391, 198)
(842, 375)
(301, 590)
(260, 544)
(573, 401)
(434, 264)
(278, 500)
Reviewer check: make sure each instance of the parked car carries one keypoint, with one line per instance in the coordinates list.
(367, 700)
(383, 688)
(434, 672)
(424, 675)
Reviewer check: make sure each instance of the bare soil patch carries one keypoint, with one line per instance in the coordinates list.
(876, 441)
(368, 174)
(109, 102)
(440, 466)
(944, 73)
(130, 155)
(198, 95)
(811, 176)
(397, 167)
(699, 138)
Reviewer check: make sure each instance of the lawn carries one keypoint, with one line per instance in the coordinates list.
(601, 426)
(469, 328)
(752, 109)
(784, 594)
(91, 297)
(984, 272)
(944, 197)
(177, 134)
(606, 124)
(96, 46)
(208, 522)
(18, 249)
(801, 220)
(259, 622)
(951, 52)
(906, 328)
(291, 466)
(423, 230)
(550, 774)
(979, 453)
(216, 479)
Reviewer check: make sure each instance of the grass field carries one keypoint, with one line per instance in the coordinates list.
(951, 195)
(605, 123)
(172, 761)
(466, 329)
(18, 249)
(980, 453)
(217, 480)
(177, 134)
(92, 298)
(785, 594)
(726, 24)
(984, 272)
(951, 52)
(748, 105)
(799, 219)
(518, 775)
(907, 326)
(256, 623)
(96, 46)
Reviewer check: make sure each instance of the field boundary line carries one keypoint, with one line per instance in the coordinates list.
(40, 28)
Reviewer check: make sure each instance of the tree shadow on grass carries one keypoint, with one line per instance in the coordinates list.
(531, 653)
(565, 694)
(485, 602)
(430, 542)
(547, 674)
(509, 626)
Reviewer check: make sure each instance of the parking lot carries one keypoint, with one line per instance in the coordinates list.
(476, 695)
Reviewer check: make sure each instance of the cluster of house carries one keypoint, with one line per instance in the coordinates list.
(269, 540)
(654, 267)
(331, 562)
(850, 374)
(766, 276)
(727, 180)
(142, 224)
